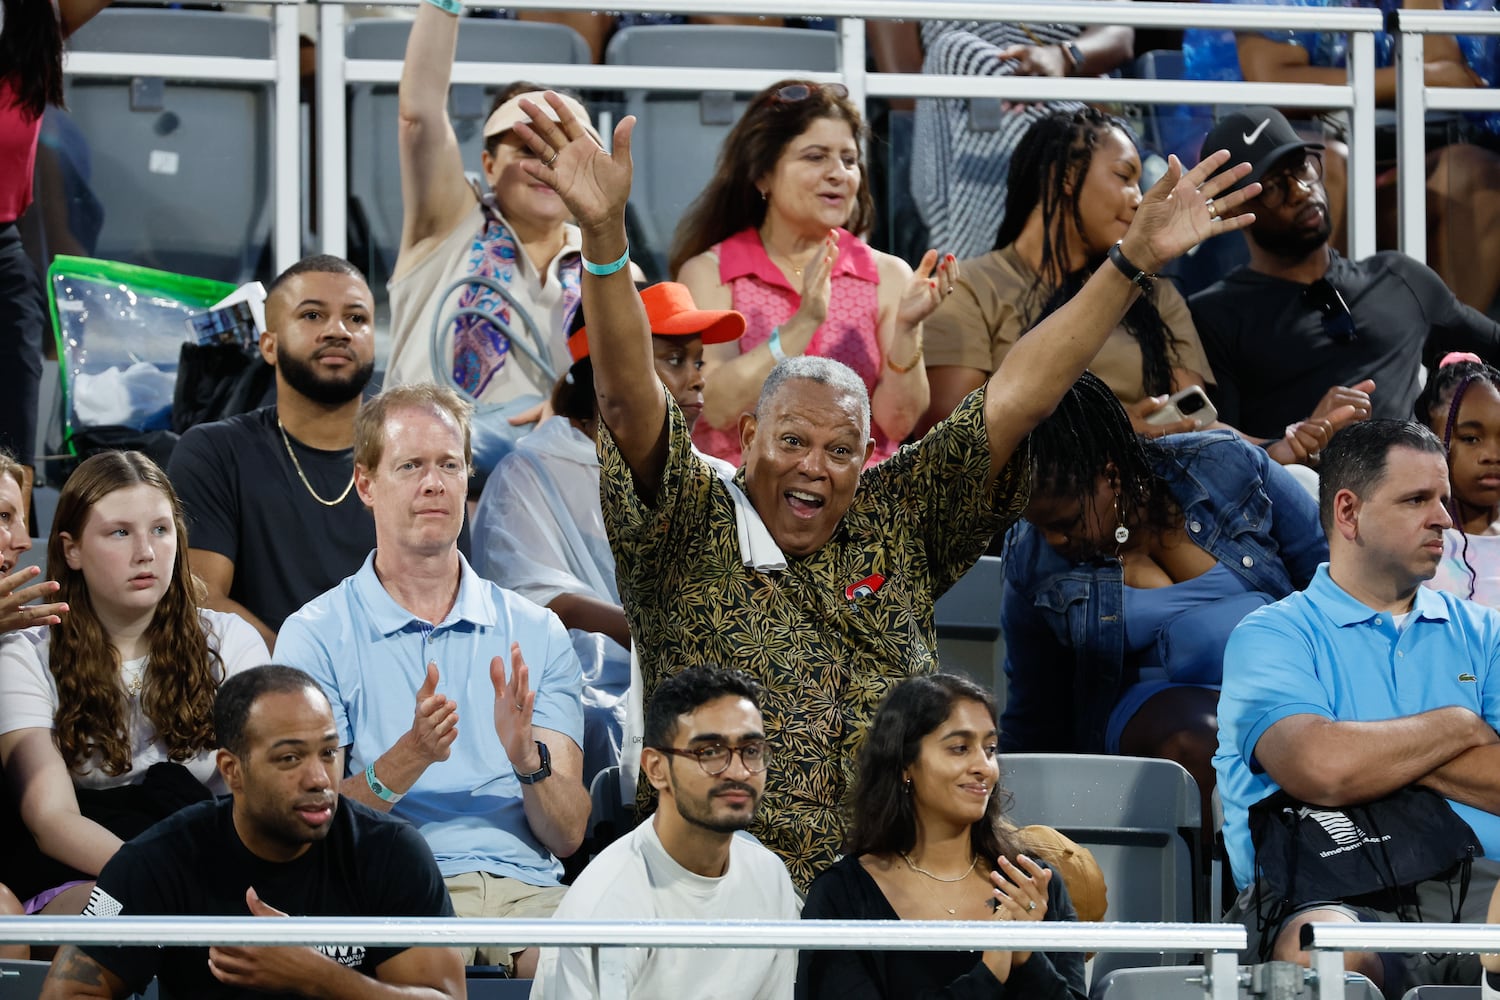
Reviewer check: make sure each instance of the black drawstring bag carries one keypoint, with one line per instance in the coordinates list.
(1372, 854)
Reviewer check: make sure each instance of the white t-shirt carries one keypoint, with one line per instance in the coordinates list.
(28, 696)
(636, 879)
(1483, 553)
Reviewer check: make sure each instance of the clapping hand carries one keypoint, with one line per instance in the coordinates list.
(1183, 209)
(931, 283)
(434, 725)
(593, 184)
(514, 703)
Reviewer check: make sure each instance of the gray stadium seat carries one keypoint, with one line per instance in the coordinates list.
(968, 627)
(1140, 817)
(1443, 993)
(1177, 983)
(183, 169)
(678, 140)
(21, 977)
(374, 164)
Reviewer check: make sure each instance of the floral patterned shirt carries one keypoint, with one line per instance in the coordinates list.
(824, 638)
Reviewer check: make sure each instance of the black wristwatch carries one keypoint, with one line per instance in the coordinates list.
(1073, 52)
(541, 773)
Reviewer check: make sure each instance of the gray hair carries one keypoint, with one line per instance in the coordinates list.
(826, 371)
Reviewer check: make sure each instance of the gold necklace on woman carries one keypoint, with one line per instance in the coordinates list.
(938, 878)
(303, 476)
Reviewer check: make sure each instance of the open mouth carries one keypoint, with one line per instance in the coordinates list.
(316, 815)
(803, 504)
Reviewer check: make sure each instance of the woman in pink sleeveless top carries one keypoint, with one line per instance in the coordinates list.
(776, 235)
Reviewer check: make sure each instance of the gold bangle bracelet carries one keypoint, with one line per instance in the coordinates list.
(916, 359)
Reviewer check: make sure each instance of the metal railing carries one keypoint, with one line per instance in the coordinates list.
(280, 71)
(1220, 943)
(1328, 942)
(336, 72)
(1414, 99)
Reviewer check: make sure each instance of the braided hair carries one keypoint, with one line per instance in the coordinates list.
(1437, 407)
(1047, 171)
(1088, 433)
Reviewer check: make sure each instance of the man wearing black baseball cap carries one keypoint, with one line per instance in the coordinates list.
(1301, 329)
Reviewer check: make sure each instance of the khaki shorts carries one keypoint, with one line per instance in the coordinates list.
(480, 894)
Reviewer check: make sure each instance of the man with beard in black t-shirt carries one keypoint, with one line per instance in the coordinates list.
(284, 844)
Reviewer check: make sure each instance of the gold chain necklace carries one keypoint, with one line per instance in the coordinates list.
(938, 878)
(303, 476)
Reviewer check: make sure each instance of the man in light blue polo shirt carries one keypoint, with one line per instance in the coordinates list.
(1365, 683)
(499, 798)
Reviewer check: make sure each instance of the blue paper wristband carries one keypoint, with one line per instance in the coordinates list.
(448, 6)
(603, 269)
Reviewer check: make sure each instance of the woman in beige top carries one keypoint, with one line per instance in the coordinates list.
(1059, 224)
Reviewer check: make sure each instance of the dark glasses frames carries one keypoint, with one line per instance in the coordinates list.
(1338, 322)
(796, 92)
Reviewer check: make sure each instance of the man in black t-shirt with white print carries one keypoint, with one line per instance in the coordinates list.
(285, 843)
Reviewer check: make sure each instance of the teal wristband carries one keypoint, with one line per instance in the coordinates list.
(382, 793)
(603, 269)
(448, 6)
(774, 346)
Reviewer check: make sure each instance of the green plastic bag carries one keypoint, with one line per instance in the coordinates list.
(120, 330)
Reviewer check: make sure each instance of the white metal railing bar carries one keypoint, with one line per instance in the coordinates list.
(1414, 99)
(335, 71)
(1328, 942)
(281, 71)
(820, 935)
(1221, 943)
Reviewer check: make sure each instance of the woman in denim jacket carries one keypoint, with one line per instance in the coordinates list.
(1135, 561)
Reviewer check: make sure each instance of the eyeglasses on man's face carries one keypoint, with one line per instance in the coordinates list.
(715, 758)
(1276, 186)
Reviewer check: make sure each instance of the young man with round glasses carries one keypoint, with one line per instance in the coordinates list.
(706, 755)
(1301, 329)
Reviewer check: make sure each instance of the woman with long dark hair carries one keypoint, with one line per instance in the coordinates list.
(1135, 560)
(927, 842)
(31, 77)
(126, 681)
(778, 234)
(1075, 180)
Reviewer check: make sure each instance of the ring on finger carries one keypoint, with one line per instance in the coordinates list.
(1213, 213)
(1031, 906)
(555, 154)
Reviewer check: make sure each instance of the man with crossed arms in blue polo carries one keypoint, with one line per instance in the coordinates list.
(1365, 683)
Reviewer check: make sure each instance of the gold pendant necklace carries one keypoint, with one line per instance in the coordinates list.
(303, 476)
(952, 910)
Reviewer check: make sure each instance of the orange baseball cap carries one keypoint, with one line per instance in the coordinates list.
(672, 313)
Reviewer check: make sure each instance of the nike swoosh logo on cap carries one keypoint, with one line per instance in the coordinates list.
(1250, 137)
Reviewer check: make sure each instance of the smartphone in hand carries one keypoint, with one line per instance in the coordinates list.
(1189, 404)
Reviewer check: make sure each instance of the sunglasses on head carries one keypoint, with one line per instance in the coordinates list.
(794, 93)
(1338, 322)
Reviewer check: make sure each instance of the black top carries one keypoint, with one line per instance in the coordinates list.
(244, 500)
(194, 863)
(847, 892)
(1273, 360)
